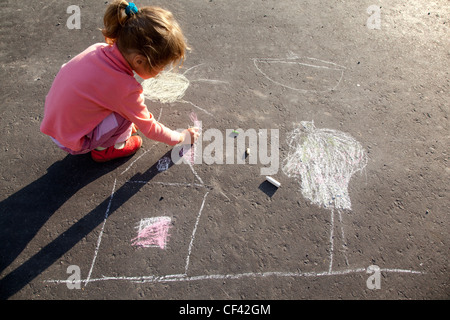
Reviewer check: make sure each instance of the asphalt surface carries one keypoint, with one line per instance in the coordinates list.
(68, 226)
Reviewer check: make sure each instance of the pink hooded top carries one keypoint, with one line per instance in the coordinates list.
(90, 87)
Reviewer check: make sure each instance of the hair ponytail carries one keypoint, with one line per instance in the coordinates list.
(150, 31)
(114, 19)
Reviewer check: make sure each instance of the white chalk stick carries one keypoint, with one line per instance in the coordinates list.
(273, 181)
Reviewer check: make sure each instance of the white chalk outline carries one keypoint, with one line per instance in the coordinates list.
(180, 100)
(107, 212)
(193, 234)
(292, 56)
(304, 142)
(184, 277)
(236, 276)
(107, 215)
(99, 240)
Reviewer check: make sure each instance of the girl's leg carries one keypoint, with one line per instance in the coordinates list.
(112, 139)
(113, 129)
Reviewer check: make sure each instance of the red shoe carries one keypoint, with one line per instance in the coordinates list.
(131, 146)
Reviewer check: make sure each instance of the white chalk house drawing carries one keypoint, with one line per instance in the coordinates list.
(323, 161)
(162, 230)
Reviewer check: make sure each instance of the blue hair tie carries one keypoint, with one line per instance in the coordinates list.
(131, 9)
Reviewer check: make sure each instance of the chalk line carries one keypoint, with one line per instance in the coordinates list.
(170, 87)
(331, 255)
(195, 106)
(134, 161)
(160, 114)
(196, 66)
(331, 241)
(193, 234)
(401, 271)
(238, 276)
(195, 172)
(297, 63)
(293, 57)
(99, 240)
(344, 243)
(210, 80)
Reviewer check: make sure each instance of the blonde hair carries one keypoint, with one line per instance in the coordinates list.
(152, 32)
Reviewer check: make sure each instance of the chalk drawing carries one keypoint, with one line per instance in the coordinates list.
(234, 276)
(188, 151)
(188, 154)
(302, 74)
(193, 234)
(165, 87)
(163, 164)
(99, 240)
(170, 87)
(184, 277)
(324, 160)
(197, 123)
(153, 232)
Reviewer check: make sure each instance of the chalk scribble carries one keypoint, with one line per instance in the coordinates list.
(153, 232)
(325, 160)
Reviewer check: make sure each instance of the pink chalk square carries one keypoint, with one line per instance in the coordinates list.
(153, 232)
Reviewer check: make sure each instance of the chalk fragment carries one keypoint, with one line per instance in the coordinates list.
(273, 181)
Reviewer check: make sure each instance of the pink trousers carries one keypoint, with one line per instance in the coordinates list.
(113, 129)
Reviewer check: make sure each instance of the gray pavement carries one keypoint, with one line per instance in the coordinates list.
(336, 87)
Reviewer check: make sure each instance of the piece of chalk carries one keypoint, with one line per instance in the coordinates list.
(273, 181)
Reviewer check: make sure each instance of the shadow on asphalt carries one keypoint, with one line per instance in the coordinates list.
(24, 213)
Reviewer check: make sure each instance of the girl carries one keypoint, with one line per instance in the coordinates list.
(95, 104)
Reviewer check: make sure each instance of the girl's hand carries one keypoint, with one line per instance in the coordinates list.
(190, 135)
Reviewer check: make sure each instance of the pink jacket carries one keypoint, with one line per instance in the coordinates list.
(90, 87)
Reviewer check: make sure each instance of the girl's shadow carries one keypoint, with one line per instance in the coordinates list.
(24, 213)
